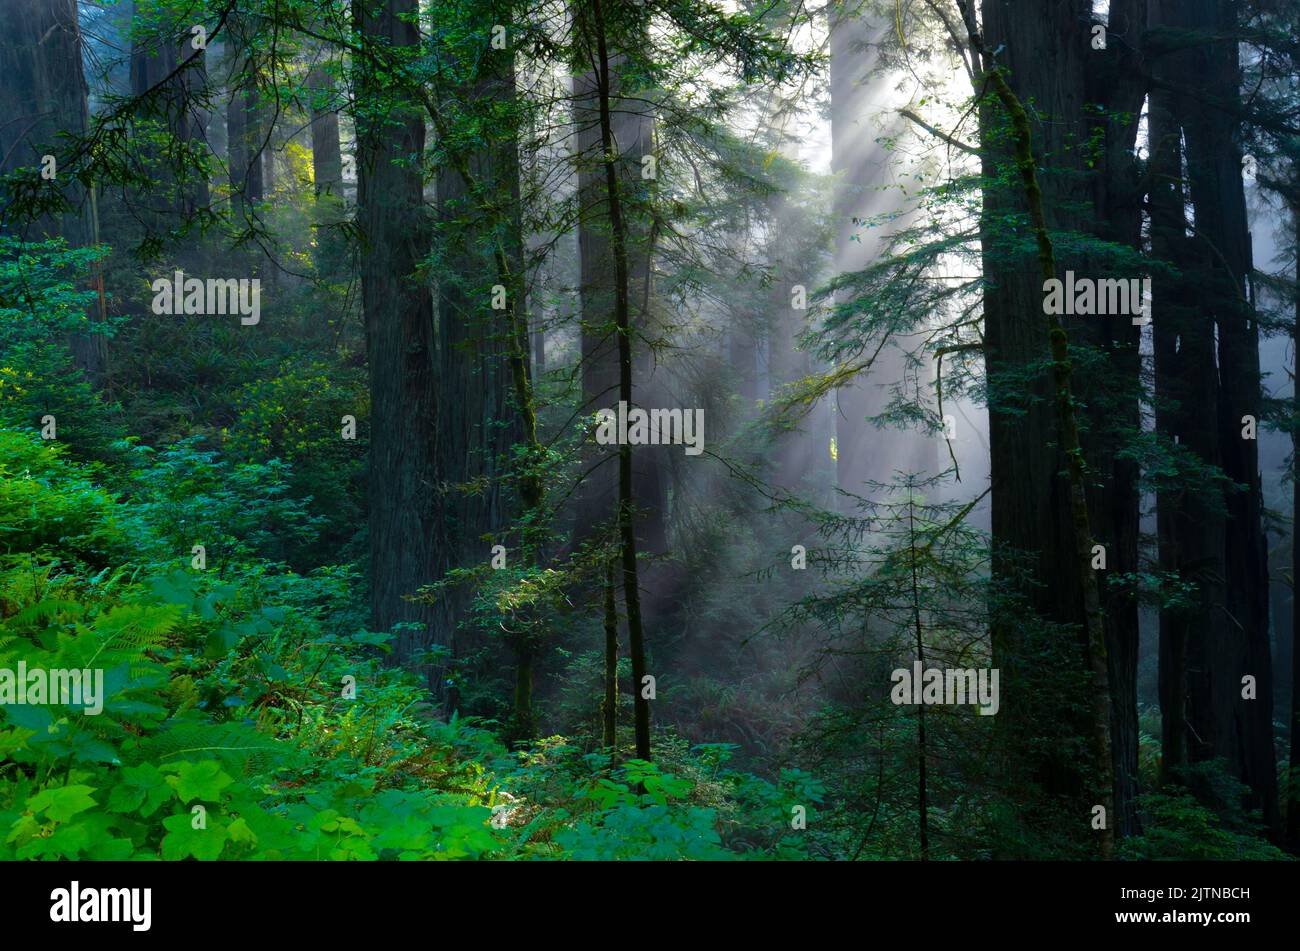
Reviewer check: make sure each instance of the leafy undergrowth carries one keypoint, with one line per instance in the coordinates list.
(247, 713)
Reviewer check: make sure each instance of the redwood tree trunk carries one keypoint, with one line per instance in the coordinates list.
(1293, 786)
(404, 522)
(44, 94)
(479, 421)
(1052, 69)
(327, 170)
(1220, 388)
(326, 155)
(167, 68)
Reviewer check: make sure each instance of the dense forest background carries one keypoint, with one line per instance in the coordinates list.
(314, 316)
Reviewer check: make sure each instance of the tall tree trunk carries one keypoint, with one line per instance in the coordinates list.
(1189, 523)
(326, 154)
(404, 522)
(609, 708)
(167, 68)
(43, 95)
(1030, 451)
(489, 188)
(268, 141)
(623, 326)
(479, 217)
(1232, 641)
(1214, 151)
(922, 789)
(327, 170)
(1116, 85)
(236, 145)
(632, 132)
(1032, 532)
(1089, 102)
(238, 78)
(1293, 774)
(255, 144)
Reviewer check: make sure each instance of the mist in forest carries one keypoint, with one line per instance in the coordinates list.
(671, 430)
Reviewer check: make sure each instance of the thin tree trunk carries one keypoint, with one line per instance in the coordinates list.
(626, 527)
(609, 709)
(1293, 783)
(1189, 529)
(524, 726)
(922, 793)
(632, 130)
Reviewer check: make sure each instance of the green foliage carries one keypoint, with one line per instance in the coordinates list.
(249, 712)
(218, 693)
(687, 805)
(226, 731)
(193, 496)
(51, 508)
(297, 416)
(1179, 827)
(44, 302)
